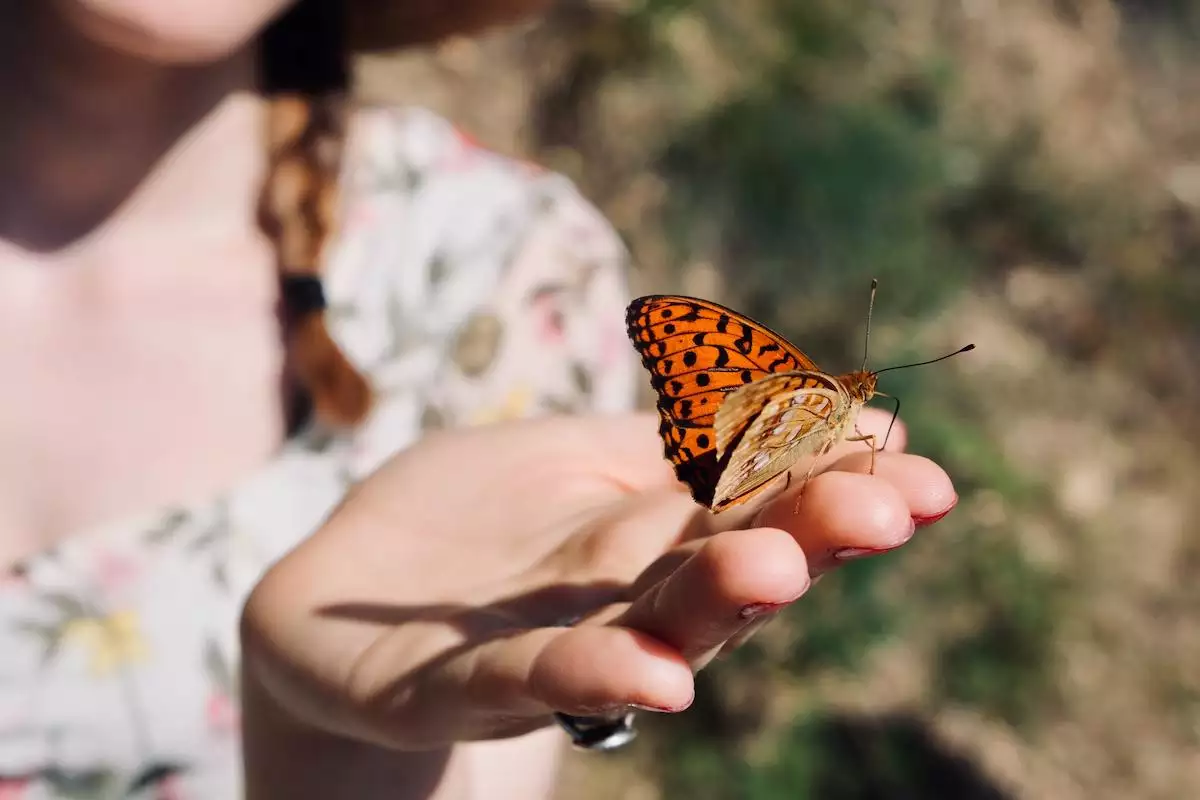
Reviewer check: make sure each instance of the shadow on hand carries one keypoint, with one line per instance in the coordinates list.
(546, 606)
(832, 756)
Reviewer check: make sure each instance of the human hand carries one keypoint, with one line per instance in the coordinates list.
(428, 610)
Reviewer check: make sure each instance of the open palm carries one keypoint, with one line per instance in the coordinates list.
(430, 608)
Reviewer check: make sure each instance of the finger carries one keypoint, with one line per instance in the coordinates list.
(593, 669)
(511, 681)
(731, 579)
(616, 548)
(845, 513)
(584, 670)
(840, 516)
(926, 488)
(871, 519)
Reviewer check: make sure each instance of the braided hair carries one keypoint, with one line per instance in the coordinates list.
(305, 77)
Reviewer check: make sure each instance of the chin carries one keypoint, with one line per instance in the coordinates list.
(172, 31)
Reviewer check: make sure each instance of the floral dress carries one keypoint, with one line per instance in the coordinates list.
(471, 289)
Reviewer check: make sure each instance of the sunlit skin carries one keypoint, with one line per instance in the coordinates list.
(557, 504)
(132, 333)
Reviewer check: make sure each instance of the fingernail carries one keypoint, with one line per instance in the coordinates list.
(851, 553)
(600, 711)
(760, 609)
(664, 709)
(932, 518)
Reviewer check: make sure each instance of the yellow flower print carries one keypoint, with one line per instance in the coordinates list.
(515, 405)
(111, 641)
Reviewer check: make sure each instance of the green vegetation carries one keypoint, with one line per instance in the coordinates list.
(793, 150)
(803, 184)
(854, 758)
(1003, 664)
(811, 186)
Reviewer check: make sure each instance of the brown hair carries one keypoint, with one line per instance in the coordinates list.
(305, 63)
(305, 76)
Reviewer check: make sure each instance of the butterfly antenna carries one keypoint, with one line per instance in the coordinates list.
(895, 414)
(870, 308)
(930, 361)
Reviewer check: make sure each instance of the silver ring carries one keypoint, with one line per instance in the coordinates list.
(597, 733)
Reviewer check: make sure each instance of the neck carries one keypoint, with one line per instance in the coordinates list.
(85, 124)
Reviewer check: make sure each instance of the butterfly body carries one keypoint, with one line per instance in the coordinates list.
(738, 404)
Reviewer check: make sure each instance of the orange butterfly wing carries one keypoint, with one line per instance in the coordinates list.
(697, 352)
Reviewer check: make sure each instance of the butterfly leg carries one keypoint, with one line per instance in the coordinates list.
(859, 436)
(803, 483)
(808, 475)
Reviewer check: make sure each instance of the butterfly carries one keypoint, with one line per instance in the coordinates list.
(738, 404)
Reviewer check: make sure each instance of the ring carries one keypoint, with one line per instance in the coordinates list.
(597, 733)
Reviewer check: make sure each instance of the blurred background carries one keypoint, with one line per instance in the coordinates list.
(1023, 174)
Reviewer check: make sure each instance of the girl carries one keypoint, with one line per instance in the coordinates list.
(201, 358)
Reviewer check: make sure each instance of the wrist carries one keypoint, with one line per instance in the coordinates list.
(287, 758)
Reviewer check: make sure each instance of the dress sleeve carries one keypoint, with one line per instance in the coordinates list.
(551, 336)
(472, 287)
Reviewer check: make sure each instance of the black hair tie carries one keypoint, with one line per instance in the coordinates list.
(303, 294)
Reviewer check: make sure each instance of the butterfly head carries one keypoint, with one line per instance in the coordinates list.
(861, 384)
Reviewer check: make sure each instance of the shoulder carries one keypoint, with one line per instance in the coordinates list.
(420, 195)
(408, 151)
(474, 277)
